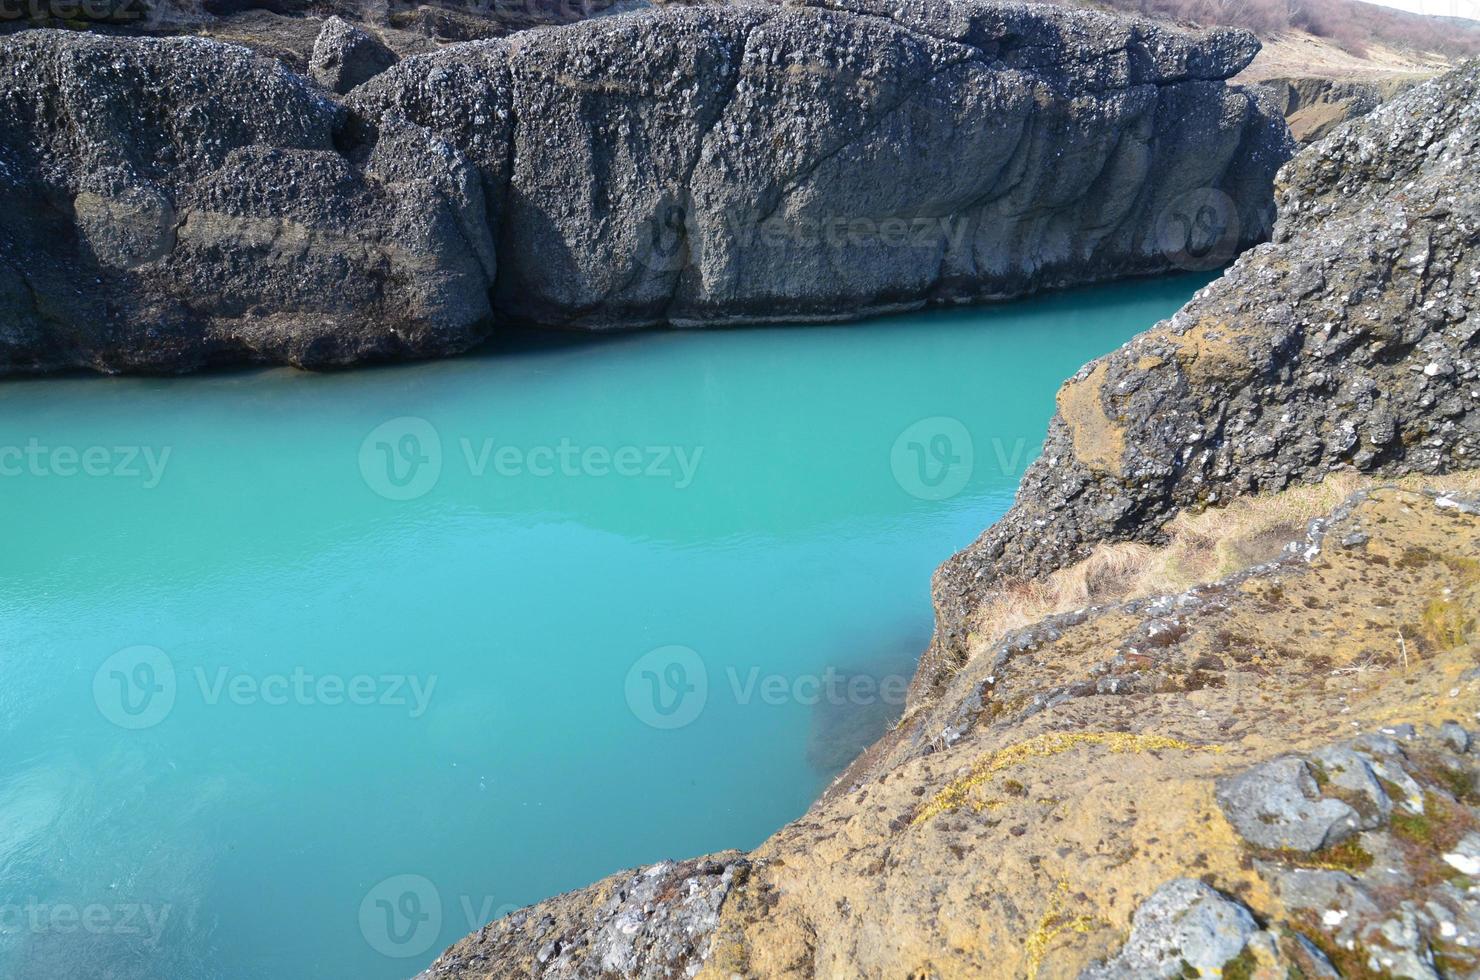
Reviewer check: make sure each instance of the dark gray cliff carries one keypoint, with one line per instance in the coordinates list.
(178, 203)
(170, 204)
(761, 162)
(1350, 341)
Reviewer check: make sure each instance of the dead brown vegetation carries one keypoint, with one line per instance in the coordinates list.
(1201, 547)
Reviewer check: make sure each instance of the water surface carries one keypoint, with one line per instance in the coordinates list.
(307, 676)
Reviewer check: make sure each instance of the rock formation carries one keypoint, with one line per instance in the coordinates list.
(1273, 773)
(173, 204)
(1314, 106)
(346, 56)
(708, 165)
(1350, 341)
(1252, 775)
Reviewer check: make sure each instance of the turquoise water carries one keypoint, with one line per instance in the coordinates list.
(307, 676)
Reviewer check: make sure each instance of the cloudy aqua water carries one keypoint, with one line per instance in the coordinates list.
(307, 676)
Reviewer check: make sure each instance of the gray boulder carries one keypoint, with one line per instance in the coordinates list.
(345, 56)
(1352, 775)
(1184, 924)
(1277, 805)
(178, 203)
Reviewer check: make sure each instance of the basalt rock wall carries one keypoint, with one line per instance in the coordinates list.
(179, 203)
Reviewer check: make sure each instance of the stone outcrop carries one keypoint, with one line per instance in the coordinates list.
(654, 923)
(1396, 900)
(820, 161)
(1352, 341)
(1314, 106)
(346, 56)
(679, 166)
(1249, 777)
(174, 204)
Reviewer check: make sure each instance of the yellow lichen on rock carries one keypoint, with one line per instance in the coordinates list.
(1214, 353)
(958, 793)
(1053, 924)
(1098, 440)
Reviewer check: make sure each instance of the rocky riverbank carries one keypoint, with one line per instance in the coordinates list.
(1347, 342)
(178, 203)
(1271, 773)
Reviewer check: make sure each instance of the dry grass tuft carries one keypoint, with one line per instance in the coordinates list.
(1202, 547)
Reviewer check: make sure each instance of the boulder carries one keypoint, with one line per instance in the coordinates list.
(179, 203)
(1277, 805)
(345, 56)
(1184, 924)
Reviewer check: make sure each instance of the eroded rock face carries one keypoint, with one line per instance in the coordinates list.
(1351, 341)
(821, 161)
(1313, 107)
(716, 164)
(172, 204)
(655, 923)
